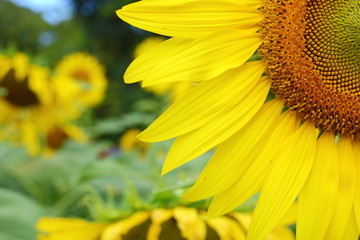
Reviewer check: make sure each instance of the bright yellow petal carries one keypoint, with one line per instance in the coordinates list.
(290, 216)
(191, 18)
(281, 233)
(158, 216)
(234, 156)
(204, 103)
(253, 177)
(193, 60)
(346, 192)
(244, 219)
(318, 197)
(226, 228)
(115, 230)
(288, 175)
(356, 149)
(351, 231)
(68, 228)
(191, 145)
(189, 223)
(30, 137)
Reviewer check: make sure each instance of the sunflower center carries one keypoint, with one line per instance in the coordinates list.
(312, 48)
(17, 92)
(56, 138)
(83, 78)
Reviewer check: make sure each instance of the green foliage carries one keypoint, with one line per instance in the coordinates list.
(18, 216)
(21, 27)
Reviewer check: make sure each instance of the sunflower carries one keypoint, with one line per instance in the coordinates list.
(57, 135)
(128, 141)
(303, 144)
(84, 76)
(25, 97)
(159, 224)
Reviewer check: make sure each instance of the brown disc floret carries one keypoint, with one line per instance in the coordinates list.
(313, 58)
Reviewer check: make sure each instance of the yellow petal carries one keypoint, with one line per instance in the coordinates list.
(318, 197)
(351, 231)
(139, 69)
(244, 219)
(115, 230)
(158, 216)
(356, 149)
(226, 228)
(191, 145)
(194, 18)
(193, 60)
(68, 228)
(234, 156)
(281, 233)
(204, 103)
(288, 175)
(290, 216)
(189, 223)
(346, 192)
(253, 177)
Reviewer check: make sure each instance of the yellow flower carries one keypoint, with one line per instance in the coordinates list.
(25, 97)
(129, 141)
(303, 144)
(162, 224)
(84, 76)
(58, 134)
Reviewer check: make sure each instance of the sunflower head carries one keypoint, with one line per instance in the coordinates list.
(22, 84)
(158, 224)
(289, 148)
(58, 134)
(86, 75)
(313, 56)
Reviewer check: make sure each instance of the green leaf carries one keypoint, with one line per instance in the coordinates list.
(18, 216)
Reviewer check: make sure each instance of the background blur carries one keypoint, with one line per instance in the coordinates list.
(48, 30)
(107, 177)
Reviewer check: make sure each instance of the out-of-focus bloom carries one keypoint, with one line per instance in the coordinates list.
(85, 78)
(25, 97)
(159, 224)
(57, 135)
(129, 141)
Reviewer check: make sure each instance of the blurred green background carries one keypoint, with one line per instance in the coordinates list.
(97, 180)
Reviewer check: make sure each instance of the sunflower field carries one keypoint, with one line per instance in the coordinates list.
(179, 120)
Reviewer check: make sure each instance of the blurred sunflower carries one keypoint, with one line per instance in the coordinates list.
(84, 76)
(175, 89)
(57, 135)
(303, 144)
(25, 98)
(129, 141)
(162, 224)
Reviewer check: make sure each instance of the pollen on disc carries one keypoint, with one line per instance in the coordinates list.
(313, 55)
